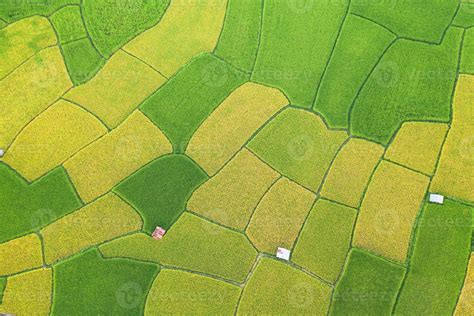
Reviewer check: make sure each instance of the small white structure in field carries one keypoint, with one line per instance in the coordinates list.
(436, 198)
(283, 253)
(158, 233)
(2, 152)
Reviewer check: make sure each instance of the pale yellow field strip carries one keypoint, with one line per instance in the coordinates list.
(51, 138)
(186, 29)
(98, 167)
(466, 300)
(227, 129)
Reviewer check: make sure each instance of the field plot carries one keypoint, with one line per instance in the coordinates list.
(236, 157)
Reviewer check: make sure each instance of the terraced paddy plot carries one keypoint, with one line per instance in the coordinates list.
(184, 292)
(34, 85)
(234, 121)
(42, 202)
(193, 244)
(311, 31)
(439, 273)
(298, 145)
(350, 172)
(185, 102)
(465, 16)
(277, 288)
(132, 82)
(68, 24)
(464, 305)
(410, 19)
(28, 293)
(20, 254)
(22, 40)
(455, 171)
(358, 49)
(389, 210)
(51, 138)
(417, 145)
(410, 86)
(106, 218)
(136, 142)
(116, 286)
(187, 29)
(467, 61)
(230, 197)
(14, 10)
(368, 286)
(325, 239)
(279, 216)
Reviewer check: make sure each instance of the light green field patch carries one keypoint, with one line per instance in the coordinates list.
(29, 90)
(465, 15)
(68, 24)
(298, 145)
(357, 51)
(194, 244)
(28, 293)
(410, 85)
(455, 174)
(20, 254)
(132, 82)
(21, 40)
(82, 60)
(238, 42)
(276, 288)
(467, 57)
(295, 45)
(417, 145)
(325, 239)
(439, 260)
(466, 300)
(368, 286)
(104, 219)
(278, 218)
(411, 19)
(389, 210)
(236, 119)
(185, 293)
(233, 193)
(100, 166)
(350, 171)
(187, 29)
(51, 138)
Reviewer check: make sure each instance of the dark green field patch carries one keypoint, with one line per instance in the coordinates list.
(238, 43)
(438, 264)
(82, 60)
(359, 47)
(296, 43)
(111, 24)
(185, 101)
(101, 287)
(414, 19)
(368, 286)
(12, 11)
(467, 59)
(160, 190)
(27, 208)
(68, 24)
(413, 81)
